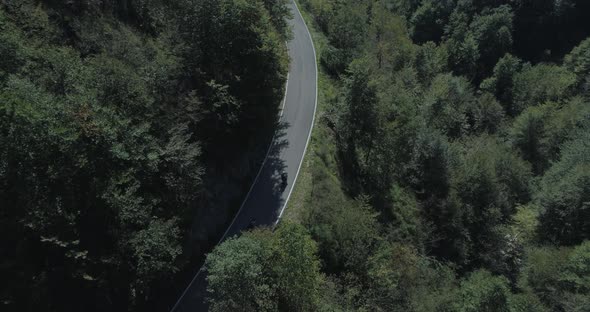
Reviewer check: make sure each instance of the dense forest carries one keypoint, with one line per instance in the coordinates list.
(450, 165)
(129, 129)
(450, 161)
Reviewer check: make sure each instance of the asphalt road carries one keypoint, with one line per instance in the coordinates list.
(267, 198)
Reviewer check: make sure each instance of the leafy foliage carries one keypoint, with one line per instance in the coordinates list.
(483, 292)
(460, 126)
(265, 271)
(564, 195)
(113, 115)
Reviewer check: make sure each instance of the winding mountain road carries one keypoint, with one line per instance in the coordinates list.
(267, 198)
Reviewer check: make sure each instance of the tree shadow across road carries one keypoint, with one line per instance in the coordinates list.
(261, 207)
(265, 199)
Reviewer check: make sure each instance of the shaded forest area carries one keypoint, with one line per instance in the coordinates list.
(450, 165)
(129, 133)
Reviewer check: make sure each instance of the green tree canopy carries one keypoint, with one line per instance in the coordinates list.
(564, 196)
(578, 62)
(482, 291)
(535, 85)
(265, 271)
(501, 83)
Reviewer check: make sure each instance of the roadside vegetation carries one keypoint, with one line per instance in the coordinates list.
(449, 167)
(129, 130)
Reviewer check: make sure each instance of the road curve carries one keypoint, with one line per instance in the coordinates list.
(267, 198)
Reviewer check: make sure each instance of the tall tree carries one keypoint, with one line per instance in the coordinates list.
(265, 271)
(564, 196)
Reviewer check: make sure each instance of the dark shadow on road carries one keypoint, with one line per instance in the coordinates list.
(267, 193)
(262, 206)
